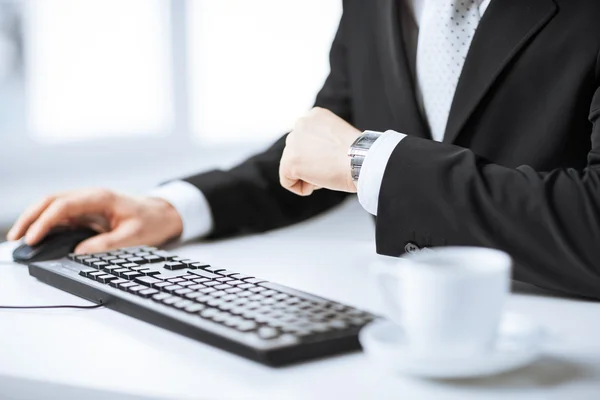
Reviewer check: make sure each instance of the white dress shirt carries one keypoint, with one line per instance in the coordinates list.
(194, 209)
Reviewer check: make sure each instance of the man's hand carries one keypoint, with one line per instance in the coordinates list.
(122, 220)
(316, 154)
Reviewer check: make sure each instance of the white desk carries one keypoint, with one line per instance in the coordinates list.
(105, 350)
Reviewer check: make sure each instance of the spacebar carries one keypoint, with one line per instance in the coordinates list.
(293, 292)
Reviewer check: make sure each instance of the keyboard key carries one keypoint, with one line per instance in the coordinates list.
(225, 272)
(200, 280)
(149, 272)
(172, 300)
(142, 268)
(100, 264)
(153, 259)
(209, 312)
(218, 293)
(148, 292)
(164, 255)
(215, 302)
(95, 274)
(187, 283)
(231, 289)
(232, 321)
(115, 282)
(254, 280)
(238, 283)
(220, 316)
(244, 293)
(120, 271)
(188, 276)
(240, 276)
(130, 265)
(85, 272)
(257, 289)
(194, 308)
(266, 332)
(118, 261)
(197, 265)
(137, 260)
(197, 286)
(136, 289)
(293, 292)
(130, 275)
(204, 274)
(247, 326)
(112, 268)
(126, 285)
(213, 269)
(147, 280)
(106, 278)
(211, 283)
(229, 297)
(225, 306)
(183, 303)
(175, 280)
(194, 295)
(183, 291)
(224, 279)
(109, 258)
(90, 261)
(225, 286)
(172, 288)
(142, 254)
(161, 296)
(174, 266)
(161, 285)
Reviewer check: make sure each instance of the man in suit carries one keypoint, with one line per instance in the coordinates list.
(469, 122)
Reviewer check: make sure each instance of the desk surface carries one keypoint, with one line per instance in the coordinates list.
(105, 350)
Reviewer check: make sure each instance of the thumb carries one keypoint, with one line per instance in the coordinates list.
(120, 237)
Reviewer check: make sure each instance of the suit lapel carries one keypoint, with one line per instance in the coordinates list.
(505, 28)
(399, 85)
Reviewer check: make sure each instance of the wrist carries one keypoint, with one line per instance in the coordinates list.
(172, 222)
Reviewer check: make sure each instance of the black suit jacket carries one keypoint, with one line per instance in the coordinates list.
(519, 167)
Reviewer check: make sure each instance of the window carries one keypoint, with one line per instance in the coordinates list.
(128, 93)
(256, 66)
(97, 68)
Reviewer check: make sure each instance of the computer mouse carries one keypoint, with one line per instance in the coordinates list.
(57, 244)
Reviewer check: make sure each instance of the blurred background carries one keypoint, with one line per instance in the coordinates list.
(129, 93)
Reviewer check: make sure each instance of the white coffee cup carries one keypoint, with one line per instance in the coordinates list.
(448, 301)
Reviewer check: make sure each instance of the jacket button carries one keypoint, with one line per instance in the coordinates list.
(411, 248)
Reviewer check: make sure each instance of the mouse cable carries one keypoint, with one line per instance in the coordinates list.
(56, 306)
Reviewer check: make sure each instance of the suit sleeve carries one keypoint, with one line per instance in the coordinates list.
(549, 221)
(249, 197)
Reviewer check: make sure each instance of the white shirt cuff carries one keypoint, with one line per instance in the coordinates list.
(192, 206)
(373, 168)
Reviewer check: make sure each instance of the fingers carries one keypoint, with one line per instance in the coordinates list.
(123, 236)
(27, 218)
(71, 206)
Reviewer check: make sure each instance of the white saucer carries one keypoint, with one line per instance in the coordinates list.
(517, 345)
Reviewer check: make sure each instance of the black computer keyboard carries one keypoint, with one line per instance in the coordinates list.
(264, 321)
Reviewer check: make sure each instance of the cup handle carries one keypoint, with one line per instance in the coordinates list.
(383, 273)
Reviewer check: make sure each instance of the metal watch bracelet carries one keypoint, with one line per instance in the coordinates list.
(358, 151)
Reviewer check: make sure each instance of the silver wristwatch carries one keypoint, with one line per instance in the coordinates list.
(358, 151)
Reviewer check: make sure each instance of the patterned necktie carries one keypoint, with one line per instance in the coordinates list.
(446, 31)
